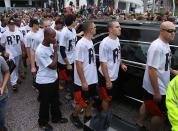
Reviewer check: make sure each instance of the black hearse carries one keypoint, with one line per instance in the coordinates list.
(135, 39)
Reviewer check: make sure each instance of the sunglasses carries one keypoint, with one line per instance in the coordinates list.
(170, 30)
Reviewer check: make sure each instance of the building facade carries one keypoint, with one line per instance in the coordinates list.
(21, 3)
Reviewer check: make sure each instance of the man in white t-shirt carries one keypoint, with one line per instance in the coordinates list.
(32, 40)
(85, 75)
(110, 62)
(67, 48)
(47, 80)
(58, 27)
(12, 40)
(157, 77)
(67, 42)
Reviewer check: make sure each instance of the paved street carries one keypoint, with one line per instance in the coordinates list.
(23, 110)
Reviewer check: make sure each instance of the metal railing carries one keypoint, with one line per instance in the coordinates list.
(134, 64)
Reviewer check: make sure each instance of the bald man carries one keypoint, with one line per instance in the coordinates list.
(47, 80)
(157, 76)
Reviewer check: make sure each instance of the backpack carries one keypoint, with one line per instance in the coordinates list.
(101, 121)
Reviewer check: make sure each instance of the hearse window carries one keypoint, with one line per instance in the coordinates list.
(135, 43)
(134, 51)
(175, 42)
(139, 33)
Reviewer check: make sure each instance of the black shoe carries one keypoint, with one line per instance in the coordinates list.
(46, 127)
(76, 121)
(60, 120)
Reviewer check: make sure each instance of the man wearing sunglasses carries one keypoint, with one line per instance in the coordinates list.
(156, 77)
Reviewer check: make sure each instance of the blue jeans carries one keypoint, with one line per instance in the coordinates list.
(3, 103)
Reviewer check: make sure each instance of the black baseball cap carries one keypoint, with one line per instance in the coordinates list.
(33, 21)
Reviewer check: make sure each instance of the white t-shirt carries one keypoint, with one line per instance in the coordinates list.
(3, 29)
(12, 42)
(27, 28)
(85, 53)
(68, 40)
(110, 53)
(158, 57)
(58, 37)
(33, 39)
(22, 30)
(41, 33)
(52, 24)
(44, 57)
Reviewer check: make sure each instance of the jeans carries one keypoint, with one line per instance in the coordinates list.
(3, 103)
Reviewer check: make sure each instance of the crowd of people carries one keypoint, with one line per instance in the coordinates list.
(47, 42)
(90, 12)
